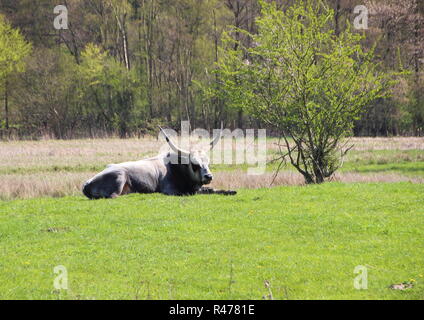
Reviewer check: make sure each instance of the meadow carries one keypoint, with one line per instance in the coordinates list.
(58, 168)
(304, 240)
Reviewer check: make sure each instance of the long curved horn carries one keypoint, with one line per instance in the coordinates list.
(172, 145)
(216, 139)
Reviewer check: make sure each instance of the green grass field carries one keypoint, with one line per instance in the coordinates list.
(305, 240)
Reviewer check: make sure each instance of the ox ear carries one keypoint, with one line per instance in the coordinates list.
(218, 137)
(173, 146)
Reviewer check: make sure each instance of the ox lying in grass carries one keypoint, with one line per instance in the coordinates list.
(179, 172)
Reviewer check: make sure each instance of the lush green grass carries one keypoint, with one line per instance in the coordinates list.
(305, 240)
(413, 169)
(404, 162)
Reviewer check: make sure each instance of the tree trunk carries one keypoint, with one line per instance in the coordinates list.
(6, 104)
(337, 19)
(240, 118)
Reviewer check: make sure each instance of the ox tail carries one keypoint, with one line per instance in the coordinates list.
(87, 190)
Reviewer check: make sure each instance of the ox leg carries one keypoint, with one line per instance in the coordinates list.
(108, 185)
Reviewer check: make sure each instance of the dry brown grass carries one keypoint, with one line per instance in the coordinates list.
(395, 143)
(236, 179)
(59, 184)
(352, 177)
(58, 168)
(45, 153)
(70, 152)
(54, 184)
(239, 179)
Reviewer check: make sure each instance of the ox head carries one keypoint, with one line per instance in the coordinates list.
(194, 163)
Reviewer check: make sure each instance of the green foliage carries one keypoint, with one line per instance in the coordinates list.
(159, 247)
(169, 48)
(93, 65)
(414, 110)
(13, 49)
(47, 93)
(302, 80)
(99, 68)
(115, 89)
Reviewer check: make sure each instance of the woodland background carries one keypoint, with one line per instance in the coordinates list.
(125, 66)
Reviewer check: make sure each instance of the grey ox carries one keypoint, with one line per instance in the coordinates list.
(178, 172)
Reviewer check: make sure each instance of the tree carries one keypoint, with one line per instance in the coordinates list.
(112, 86)
(164, 53)
(399, 28)
(47, 95)
(303, 80)
(13, 50)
